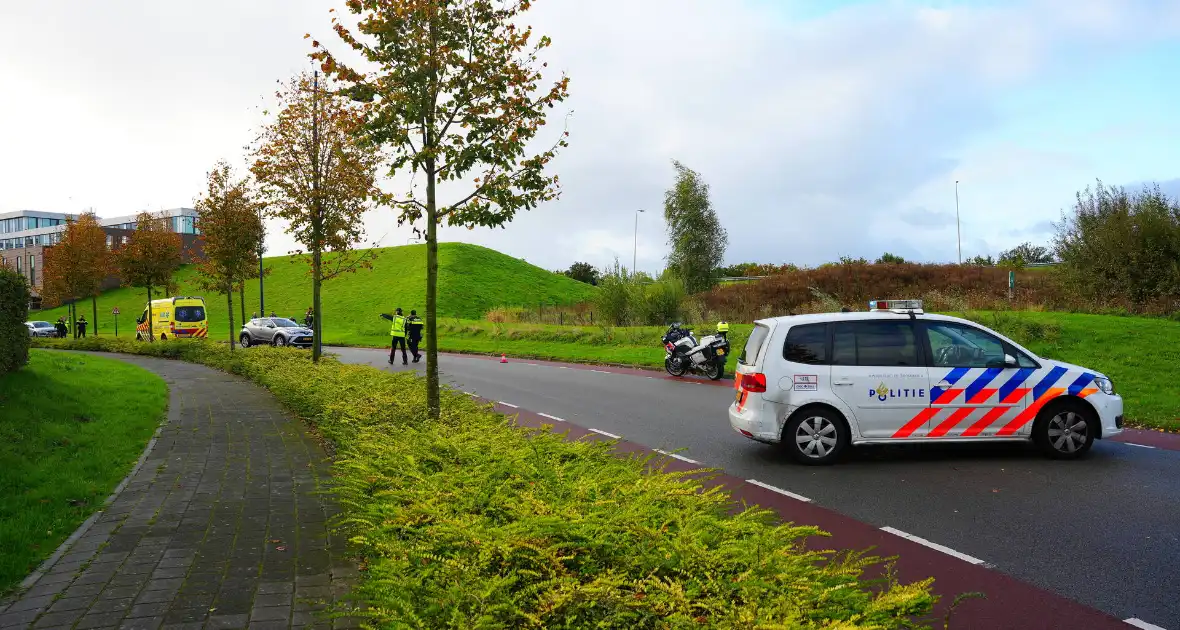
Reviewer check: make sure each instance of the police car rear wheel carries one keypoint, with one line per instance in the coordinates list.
(816, 437)
(1066, 430)
(244, 340)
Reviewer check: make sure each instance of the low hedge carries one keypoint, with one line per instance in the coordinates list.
(470, 522)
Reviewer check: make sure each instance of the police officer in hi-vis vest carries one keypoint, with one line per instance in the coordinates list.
(397, 333)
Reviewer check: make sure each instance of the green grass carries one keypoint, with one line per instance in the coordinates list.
(472, 281)
(71, 427)
(635, 346)
(1137, 353)
(471, 521)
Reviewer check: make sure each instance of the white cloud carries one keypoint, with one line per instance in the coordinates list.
(816, 136)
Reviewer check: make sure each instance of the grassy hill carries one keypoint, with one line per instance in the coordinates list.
(472, 280)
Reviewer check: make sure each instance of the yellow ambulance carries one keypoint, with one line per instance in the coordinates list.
(173, 318)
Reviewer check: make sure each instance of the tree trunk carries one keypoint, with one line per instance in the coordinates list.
(433, 405)
(316, 280)
(94, 306)
(229, 299)
(317, 219)
(151, 330)
(242, 299)
(74, 318)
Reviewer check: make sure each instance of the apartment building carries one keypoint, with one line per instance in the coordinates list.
(25, 235)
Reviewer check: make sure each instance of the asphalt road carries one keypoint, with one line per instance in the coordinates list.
(1103, 531)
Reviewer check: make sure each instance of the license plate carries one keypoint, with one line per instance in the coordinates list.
(721, 351)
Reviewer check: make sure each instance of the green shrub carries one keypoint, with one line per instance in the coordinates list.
(470, 522)
(14, 312)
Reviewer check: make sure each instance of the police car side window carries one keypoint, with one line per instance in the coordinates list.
(956, 345)
(875, 343)
(807, 344)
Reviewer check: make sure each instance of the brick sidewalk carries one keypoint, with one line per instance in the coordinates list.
(223, 526)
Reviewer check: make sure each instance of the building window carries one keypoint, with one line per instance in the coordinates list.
(18, 266)
(32, 270)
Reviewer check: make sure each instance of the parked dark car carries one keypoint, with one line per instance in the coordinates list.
(277, 331)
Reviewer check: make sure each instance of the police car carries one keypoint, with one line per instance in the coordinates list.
(819, 383)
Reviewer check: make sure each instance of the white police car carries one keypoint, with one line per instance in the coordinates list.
(819, 383)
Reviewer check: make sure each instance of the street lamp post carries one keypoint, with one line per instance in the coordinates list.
(958, 226)
(635, 247)
(261, 271)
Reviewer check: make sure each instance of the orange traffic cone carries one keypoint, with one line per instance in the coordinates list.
(503, 358)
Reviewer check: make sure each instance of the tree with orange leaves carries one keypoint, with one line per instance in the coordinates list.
(314, 171)
(230, 228)
(150, 257)
(454, 95)
(75, 267)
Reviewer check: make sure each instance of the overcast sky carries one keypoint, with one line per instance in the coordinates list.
(824, 128)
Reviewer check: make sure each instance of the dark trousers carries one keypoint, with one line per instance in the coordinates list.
(414, 341)
(398, 341)
(82, 331)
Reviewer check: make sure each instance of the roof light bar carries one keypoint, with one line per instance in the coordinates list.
(897, 306)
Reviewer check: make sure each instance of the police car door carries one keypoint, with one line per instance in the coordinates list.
(978, 383)
(879, 371)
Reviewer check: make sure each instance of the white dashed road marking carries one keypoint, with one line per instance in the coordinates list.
(507, 404)
(787, 493)
(609, 435)
(1140, 446)
(1139, 623)
(935, 546)
(600, 371)
(680, 457)
(551, 417)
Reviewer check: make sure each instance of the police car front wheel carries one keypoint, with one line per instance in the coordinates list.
(1066, 430)
(816, 436)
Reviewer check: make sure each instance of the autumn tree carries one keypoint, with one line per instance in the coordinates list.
(452, 89)
(150, 257)
(75, 267)
(315, 171)
(697, 240)
(230, 230)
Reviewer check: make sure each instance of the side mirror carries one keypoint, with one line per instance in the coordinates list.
(1009, 361)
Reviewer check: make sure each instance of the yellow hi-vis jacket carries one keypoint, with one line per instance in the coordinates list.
(398, 329)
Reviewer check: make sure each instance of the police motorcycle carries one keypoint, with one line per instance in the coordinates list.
(683, 353)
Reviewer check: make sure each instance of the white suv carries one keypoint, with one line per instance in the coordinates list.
(818, 383)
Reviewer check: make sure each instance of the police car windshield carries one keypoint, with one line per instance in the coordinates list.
(285, 323)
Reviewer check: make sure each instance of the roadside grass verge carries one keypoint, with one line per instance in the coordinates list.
(471, 522)
(637, 346)
(1138, 353)
(71, 428)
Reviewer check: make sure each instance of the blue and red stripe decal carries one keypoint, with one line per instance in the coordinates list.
(940, 396)
(1011, 391)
